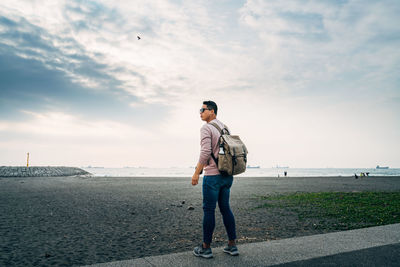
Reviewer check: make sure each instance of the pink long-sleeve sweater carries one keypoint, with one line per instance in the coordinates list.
(209, 136)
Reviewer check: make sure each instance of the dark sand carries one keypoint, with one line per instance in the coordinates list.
(65, 221)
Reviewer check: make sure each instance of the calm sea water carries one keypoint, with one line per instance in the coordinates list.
(257, 172)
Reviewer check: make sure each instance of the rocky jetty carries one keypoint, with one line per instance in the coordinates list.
(8, 171)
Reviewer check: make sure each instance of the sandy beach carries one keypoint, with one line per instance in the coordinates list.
(66, 221)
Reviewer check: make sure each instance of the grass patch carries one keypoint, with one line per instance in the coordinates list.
(339, 210)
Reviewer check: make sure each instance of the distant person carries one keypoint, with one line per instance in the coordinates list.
(285, 173)
(216, 188)
(355, 176)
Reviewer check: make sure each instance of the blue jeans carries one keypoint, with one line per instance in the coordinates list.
(217, 188)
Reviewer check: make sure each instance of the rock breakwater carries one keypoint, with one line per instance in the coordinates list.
(37, 171)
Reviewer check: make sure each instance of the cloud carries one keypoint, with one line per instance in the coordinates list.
(29, 85)
(65, 126)
(314, 46)
(58, 138)
(95, 44)
(195, 47)
(28, 41)
(266, 63)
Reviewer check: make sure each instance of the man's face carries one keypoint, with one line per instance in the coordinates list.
(206, 113)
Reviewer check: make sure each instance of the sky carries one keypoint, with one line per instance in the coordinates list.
(303, 83)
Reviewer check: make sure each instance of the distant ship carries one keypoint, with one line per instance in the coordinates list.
(281, 167)
(379, 167)
(252, 167)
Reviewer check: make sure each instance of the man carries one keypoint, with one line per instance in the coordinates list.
(216, 188)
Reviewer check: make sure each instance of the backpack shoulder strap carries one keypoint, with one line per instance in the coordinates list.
(221, 132)
(216, 126)
(219, 128)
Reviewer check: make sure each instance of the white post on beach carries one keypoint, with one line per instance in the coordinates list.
(27, 160)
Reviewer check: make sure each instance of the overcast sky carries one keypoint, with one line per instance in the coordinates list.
(304, 83)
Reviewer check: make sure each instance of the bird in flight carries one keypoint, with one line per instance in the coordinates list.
(138, 37)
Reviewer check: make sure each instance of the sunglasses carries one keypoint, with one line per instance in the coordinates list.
(203, 109)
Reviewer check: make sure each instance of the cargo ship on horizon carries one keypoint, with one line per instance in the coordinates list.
(381, 167)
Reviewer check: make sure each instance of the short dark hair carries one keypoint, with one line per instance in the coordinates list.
(211, 105)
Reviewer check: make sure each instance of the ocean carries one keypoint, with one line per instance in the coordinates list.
(252, 172)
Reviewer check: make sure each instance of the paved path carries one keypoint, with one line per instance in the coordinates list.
(375, 246)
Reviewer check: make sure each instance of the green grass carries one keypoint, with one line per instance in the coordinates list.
(337, 210)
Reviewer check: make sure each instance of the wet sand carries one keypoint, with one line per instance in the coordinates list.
(66, 221)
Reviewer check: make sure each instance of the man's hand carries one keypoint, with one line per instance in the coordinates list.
(196, 175)
(195, 179)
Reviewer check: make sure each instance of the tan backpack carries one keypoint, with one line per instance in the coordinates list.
(232, 155)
